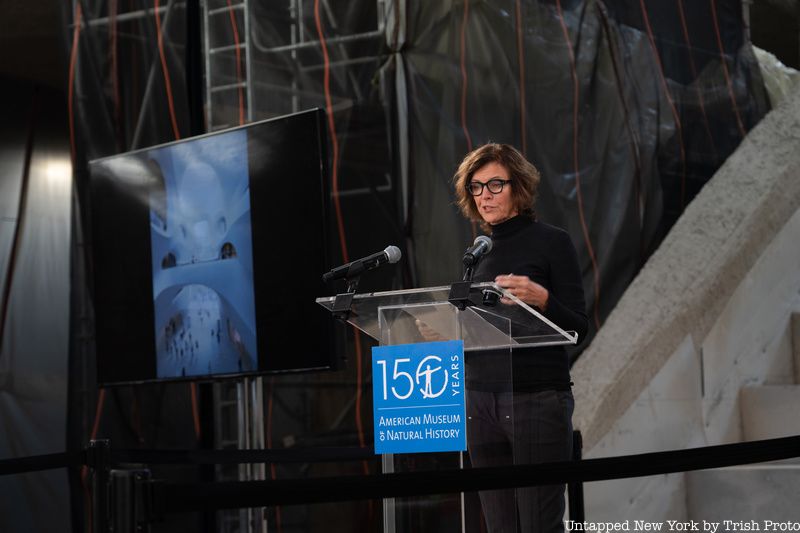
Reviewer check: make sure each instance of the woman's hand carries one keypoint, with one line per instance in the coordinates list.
(523, 288)
(427, 332)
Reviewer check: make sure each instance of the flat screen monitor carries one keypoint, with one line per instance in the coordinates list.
(208, 254)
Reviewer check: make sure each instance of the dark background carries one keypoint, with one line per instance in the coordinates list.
(406, 106)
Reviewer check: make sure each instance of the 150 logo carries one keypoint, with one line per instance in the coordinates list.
(430, 377)
(417, 397)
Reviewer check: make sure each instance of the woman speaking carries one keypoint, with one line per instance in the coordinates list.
(496, 186)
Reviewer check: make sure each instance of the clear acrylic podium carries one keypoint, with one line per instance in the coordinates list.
(492, 323)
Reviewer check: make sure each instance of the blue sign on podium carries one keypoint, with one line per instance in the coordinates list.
(418, 397)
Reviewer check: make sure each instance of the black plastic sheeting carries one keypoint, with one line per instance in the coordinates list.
(35, 187)
(627, 107)
(624, 119)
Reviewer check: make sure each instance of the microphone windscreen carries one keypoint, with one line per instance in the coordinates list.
(486, 240)
(393, 253)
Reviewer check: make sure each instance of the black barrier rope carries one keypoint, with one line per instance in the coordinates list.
(38, 463)
(182, 497)
(178, 497)
(81, 458)
(227, 457)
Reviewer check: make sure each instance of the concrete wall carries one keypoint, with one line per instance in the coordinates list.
(694, 399)
(708, 315)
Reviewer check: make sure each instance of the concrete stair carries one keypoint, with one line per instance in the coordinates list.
(765, 491)
(743, 493)
(770, 411)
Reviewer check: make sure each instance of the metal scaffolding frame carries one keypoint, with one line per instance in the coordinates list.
(238, 405)
(214, 52)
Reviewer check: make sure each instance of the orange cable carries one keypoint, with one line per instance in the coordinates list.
(238, 62)
(464, 76)
(165, 70)
(332, 129)
(663, 79)
(634, 143)
(464, 83)
(134, 70)
(521, 59)
(113, 37)
(195, 410)
(73, 60)
(272, 471)
(70, 109)
(575, 162)
(101, 398)
(695, 78)
(725, 69)
(338, 208)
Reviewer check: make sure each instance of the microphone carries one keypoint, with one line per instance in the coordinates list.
(391, 254)
(479, 248)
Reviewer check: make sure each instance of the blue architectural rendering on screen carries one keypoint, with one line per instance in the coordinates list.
(201, 242)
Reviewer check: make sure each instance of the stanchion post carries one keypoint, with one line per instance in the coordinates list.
(129, 500)
(98, 458)
(575, 489)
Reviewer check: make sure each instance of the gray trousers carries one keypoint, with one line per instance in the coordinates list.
(541, 432)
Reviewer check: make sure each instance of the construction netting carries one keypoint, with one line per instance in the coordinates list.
(627, 107)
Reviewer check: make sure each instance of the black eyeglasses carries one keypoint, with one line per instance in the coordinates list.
(475, 188)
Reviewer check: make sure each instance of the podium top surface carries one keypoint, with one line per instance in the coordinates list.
(485, 323)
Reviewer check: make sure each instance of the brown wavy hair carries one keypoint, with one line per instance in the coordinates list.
(525, 178)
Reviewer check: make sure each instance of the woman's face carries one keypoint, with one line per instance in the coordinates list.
(494, 208)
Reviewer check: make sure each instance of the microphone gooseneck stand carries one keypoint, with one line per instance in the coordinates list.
(343, 302)
(459, 291)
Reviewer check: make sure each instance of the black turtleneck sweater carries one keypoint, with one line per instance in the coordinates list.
(544, 253)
